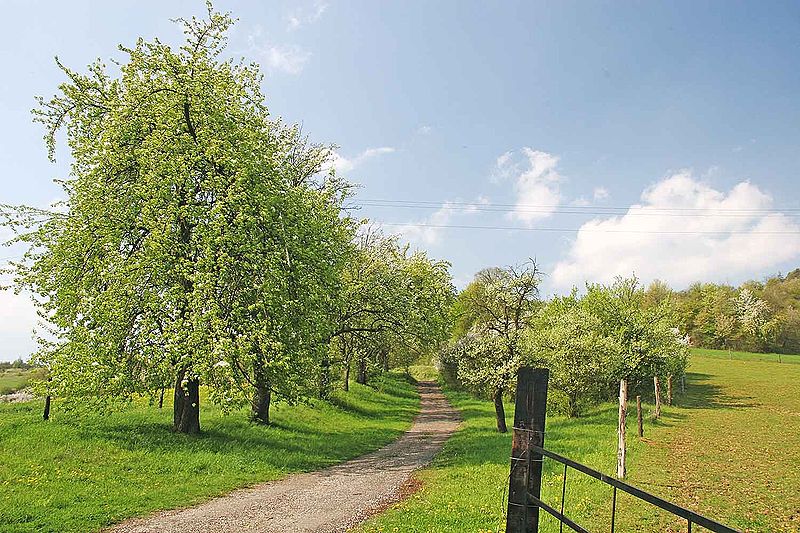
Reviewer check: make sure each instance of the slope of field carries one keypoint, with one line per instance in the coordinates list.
(79, 472)
(14, 379)
(729, 448)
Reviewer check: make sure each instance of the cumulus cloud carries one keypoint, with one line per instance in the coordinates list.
(683, 231)
(344, 164)
(536, 183)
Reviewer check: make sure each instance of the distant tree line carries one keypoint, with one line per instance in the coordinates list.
(17, 363)
(757, 316)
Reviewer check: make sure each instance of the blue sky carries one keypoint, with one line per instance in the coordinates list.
(658, 139)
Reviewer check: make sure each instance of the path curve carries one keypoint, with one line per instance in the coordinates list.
(327, 501)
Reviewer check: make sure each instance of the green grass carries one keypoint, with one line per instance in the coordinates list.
(423, 372)
(14, 379)
(747, 356)
(79, 473)
(728, 449)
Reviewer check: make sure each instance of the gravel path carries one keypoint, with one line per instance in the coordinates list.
(331, 500)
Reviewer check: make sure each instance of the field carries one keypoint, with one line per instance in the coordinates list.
(728, 448)
(84, 471)
(14, 379)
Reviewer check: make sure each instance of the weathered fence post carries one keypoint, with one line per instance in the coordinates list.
(669, 389)
(657, 389)
(623, 412)
(526, 466)
(639, 415)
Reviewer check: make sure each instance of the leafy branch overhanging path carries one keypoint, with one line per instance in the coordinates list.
(327, 501)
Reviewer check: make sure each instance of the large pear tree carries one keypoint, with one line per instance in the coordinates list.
(197, 239)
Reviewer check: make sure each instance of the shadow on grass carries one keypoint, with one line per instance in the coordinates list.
(701, 393)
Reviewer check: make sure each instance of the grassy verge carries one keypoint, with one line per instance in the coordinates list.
(728, 448)
(79, 474)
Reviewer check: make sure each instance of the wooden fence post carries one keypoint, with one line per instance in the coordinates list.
(669, 389)
(526, 468)
(623, 412)
(639, 415)
(657, 388)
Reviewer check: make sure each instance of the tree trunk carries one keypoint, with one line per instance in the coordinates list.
(325, 379)
(261, 402)
(623, 412)
(669, 390)
(186, 410)
(572, 406)
(500, 411)
(683, 384)
(657, 388)
(362, 371)
(161, 399)
(46, 414)
(385, 360)
(347, 376)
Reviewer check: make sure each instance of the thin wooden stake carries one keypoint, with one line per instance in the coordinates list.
(657, 387)
(669, 389)
(639, 415)
(623, 411)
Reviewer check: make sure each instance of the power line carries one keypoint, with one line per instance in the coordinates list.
(492, 206)
(590, 230)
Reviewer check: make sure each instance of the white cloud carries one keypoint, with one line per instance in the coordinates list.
(343, 164)
(683, 231)
(536, 183)
(290, 59)
(303, 17)
(429, 230)
(424, 130)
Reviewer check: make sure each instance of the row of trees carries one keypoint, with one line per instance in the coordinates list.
(589, 342)
(201, 242)
(756, 316)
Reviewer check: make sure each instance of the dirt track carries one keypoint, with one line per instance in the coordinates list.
(330, 500)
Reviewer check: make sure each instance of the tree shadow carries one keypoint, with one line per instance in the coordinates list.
(701, 393)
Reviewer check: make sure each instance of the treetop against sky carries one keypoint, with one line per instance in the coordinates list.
(602, 139)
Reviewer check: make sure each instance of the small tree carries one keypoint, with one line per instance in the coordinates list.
(496, 307)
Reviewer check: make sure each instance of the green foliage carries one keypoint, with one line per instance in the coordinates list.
(591, 342)
(394, 306)
(763, 317)
(81, 475)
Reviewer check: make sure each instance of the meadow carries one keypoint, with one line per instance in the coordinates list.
(82, 471)
(14, 379)
(727, 448)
